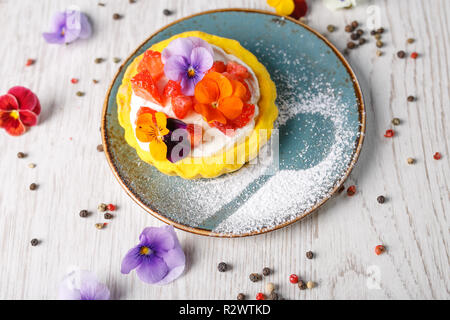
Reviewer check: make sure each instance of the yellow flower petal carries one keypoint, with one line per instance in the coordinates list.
(273, 3)
(161, 120)
(285, 7)
(158, 150)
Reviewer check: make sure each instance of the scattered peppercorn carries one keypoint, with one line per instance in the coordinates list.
(80, 93)
(241, 296)
(132, 1)
(389, 133)
(351, 191)
(410, 40)
(360, 32)
(373, 32)
(98, 60)
(361, 41)
(102, 207)
(301, 285)
(354, 36)
(381, 199)
(21, 155)
(270, 287)
(411, 99)
(222, 267)
(101, 4)
(330, 28)
(84, 213)
(396, 121)
(167, 12)
(260, 296)
(74, 80)
(34, 242)
(111, 207)
(100, 225)
(414, 55)
(310, 284)
(30, 62)
(437, 156)
(380, 30)
(95, 81)
(401, 54)
(293, 278)
(411, 161)
(266, 271)
(33, 186)
(117, 16)
(349, 28)
(117, 60)
(378, 36)
(108, 216)
(100, 148)
(254, 277)
(274, 296)
(379, 249)
(380, 44)
(351, 45)
(379, 53)
(31, 165)
(309, 255)
(355, 24)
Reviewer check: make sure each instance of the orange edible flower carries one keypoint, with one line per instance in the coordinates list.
(219, 98)
(152, 128)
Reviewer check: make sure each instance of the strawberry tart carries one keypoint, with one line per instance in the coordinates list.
(197, 105)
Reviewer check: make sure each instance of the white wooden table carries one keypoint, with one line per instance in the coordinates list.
(72, 175)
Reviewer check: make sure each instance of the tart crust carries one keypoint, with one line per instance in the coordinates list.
(218, 164)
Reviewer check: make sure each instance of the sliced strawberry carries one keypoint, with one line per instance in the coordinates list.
(237, 70)
(226, 128)
(145, 87)
(152, 63)
(218, 66)
(196, 134)
(171, 90)
(248, 93)
(181, 105)
(143, 110)
(247, 114)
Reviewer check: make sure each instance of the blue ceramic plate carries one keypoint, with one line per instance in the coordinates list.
(321, 130)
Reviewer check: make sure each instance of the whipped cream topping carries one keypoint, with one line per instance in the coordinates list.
(214, 140)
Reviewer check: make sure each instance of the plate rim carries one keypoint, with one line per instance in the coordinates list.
(199, 231)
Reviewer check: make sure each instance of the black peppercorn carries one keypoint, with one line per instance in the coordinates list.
(254, 277)
(241, 296)
(310, 255)
(354, 36)
(34, 242)
(351, 45)
(349, 28)
(84, 213)
(266, 271)
(167, 12)
(401, 54)
(355, 24)
(117, 16)
(362, 41)
(360, 32)
(21, 155)
(381, 199)
(222, 267)
(100, 148)
(274, 296)
(302, 285)
(411, 99)
(33, 186)
(380, 30)
(108, 216)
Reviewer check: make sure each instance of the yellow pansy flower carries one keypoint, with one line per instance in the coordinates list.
(152, 128)
(283, 7)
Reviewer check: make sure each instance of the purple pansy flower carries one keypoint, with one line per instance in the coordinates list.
(186, 60)
(82, 285)
(158, 258)
(68, 26)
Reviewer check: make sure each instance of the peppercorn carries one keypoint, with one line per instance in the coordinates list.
(266, 271)
(102, 207)
(361, 41)
(354, 36)
(117, 16)
(379, 53)
(95, 81)
(309, 255)
(132, 1)
(381, 199)
(100, 225)
(167, 12)
(355, 24)
(410, 40)
(100, 148)
(360, 32)
(401, 54)
(84, 213)
(379, 44)
(396, 121)
(34, 242)
(301, 285)
(241, 296)
(31, 165)
(351, 45)
(310, 284)
(293, 278)
(21, 155)
(349, 28)
(373, 32)
(117, 60)
(260, 296)
(108, 216)
(98, 60)
(414, 55)
(33, 186)
(254, 277)
(80, 93)
(379, 249)
(111, 207)
(274, 296)
(270, 287)
(437, 156)
(411, 99)
(389, 133)
(330, 28)
(380, 30)
(351, 191)
(222, 267)
(410, 161)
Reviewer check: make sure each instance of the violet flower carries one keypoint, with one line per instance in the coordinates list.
(82, 285)
(177, 140)
(186, 60)
(68, 26)
(158, 258)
